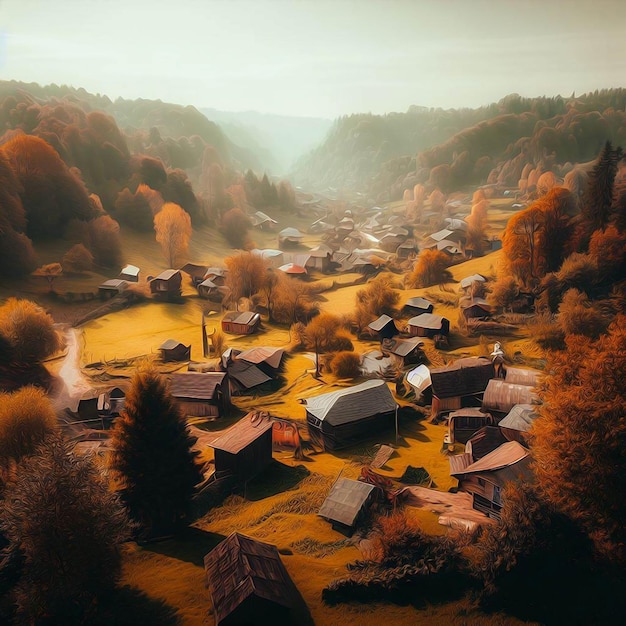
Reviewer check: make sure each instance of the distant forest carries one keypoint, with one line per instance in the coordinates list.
(449, 149)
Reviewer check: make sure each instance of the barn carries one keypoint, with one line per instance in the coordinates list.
(111, 288)
(347, 504)
(403, 351)
(130, 273)
(241, 322)
(167, 284)
(501, 396)
(475, 308)
(463, 423)
(172, 350)
(342, 418)
(248, 583)
(201, 394)
(428, 325)
(418, 306)
(384, 327)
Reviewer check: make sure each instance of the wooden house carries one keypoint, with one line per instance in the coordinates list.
(403, 351)
(111, 288)
(244, 376)
(384, 327)
(428, 325)
(460, 384)
(111, 403)
(501, 396)
(217, 275)
(195, 272)
(172, 350)
(248, 583)
(263, 221)
(486, 478)
(518, 422)
(201, 394)
(241, 322)
(463, 423)
(88, 406)
(475, 308)
(130, 273)
(209, 290)
(320, 258)
(418, 306)
(289, 237)
(254, 367)
(521, 376)
(485, 441)
(468, 282)
(167, 284)
(347, 504)
(341, 418)
(245, 449)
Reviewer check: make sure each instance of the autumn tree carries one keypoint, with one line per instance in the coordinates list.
(378, 297)
(477, 227)
(578, 316)
(102, 237)
(152, 456)
(324, 334)
(26, 419)
(504, 292)
(65, 529)
(246, 274)
(234, 226)
(346, 364)
(49, 272)
(28, 331)
(292, 301)
(431, 268)
(173, 232)
(134, 210)
(77, 260)
(578, 443)
(178, 189)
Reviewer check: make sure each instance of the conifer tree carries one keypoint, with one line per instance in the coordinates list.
(152, 456)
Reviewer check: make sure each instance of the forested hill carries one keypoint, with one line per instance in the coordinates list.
(386, 154)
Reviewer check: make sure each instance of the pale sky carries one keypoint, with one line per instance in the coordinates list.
(316, 57)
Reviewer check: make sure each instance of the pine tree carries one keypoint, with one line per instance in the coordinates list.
(152, 456)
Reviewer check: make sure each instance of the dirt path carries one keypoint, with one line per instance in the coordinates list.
(75, 384)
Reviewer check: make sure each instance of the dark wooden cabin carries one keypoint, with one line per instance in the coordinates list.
(475, 308)
(384, 327)
(428, 325)
(248, 583)
(485, 441)
(342, 418)
(348, 504)
(172, 350)
(518, 422)
(418, 306)
(403, 351)
(245, 449)
(111, 403)
(201, 394)
(241, 322)
(167, 284)
(463, 423)
(111, 288)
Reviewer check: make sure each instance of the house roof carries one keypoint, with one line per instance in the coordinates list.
(484, 441)
(402, 347)
(260, 218)
(247, 374)
(241, 317)
(291, 232)
(441, 234)
(208, 284)
(242, 434)
(427, 320)
(320, 251)
(215, 271)
(292, 268)
(114, 283)
(380, 323)
(450, 246)
(520, 417)
(353, 403)
(170, 344)
(271, 356)
(502, 396)
(507, 454)
(465, 303)
(464, 377)
(419, 378)
(195, 270)
(468, 412)
(419, 303)
(267, 253)
(519, 376)
(455, 224)
(474, 278)
(167, 274)
(241, 567)
(130, 270)
(195, 385)
(345, 501)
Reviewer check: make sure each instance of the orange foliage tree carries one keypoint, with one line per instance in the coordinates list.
(246, 275)
(324, 334)
(430, 269)
(173, 232)
(234, 226)
(77, 260)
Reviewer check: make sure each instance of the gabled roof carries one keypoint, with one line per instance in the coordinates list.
(449, 246)
(290, 232)
(130, 270)
(519, 376)
(114, 283)
(485, 441)
(321, 251)
(419, 378)
(170, 344)
(474, 278)
(195, 270)
(292, 268)
(195, 385)
(241, 435)
(241, 317)
(464, 377)
(215, 271)
(345, 501)
(419, 303)
(166, 275)
(441, 234)
(353, 403)
(380, 323)
(427, 320)
(207, 283)
(271, 356)
(507, 454)
(260, 218)
(402, 347)
(247, 374)
(502, 396)
(241, 567)
(520, 417)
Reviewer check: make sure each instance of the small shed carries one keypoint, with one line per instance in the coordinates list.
(241, 322)
(217, 275)
(244, 376)
(403, 351)
(485, 441)
(267, 358)
(384, 327)
(245, 449)
(341, 418)
(248, 583)
(428, 325)
(418, 306)
(468, 281)
(320, 258)
(111, 288)
(209, 290)
(130, 273)
(501, 396)
(167, 284)
(347, 504)
(518, 422)
(196, 272)
(486, 478)
(111, 403)
(475, 308)
(419, 379)
(464, 423)
(201, 394)
(263, 221)
(289, 237)
(172, 350)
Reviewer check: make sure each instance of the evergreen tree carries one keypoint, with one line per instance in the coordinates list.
(152, 456)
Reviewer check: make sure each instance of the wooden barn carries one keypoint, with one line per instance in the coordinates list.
(464, 423)
(403, 351)
(342, 418)
(475, 308)
(384, 327)
(111, 288)
(518, 422)
(130, 273)
(209, 290)
(320, 258)
(241, 322)
(195, 272)
(348, 504)
(468, 282)
(418, 306)
(217, 275)
(428, 325)
(111, 403)
(263, 221)
(485, 441)
(201, 394)
(406, 249)
(245, 449)
(172, 350)
(520, 376)
(167, 284)
(248, 583)
(460, 384)
(486, 478)
(501, 396)
(289, 237)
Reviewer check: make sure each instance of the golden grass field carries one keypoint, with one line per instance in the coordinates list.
(279, 507)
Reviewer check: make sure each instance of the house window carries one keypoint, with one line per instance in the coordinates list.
(481, 482)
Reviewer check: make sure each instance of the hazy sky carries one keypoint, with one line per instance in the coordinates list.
(316, 57)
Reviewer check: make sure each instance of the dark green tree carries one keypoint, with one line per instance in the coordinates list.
(152, 457)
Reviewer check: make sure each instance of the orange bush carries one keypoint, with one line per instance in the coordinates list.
(430, 269)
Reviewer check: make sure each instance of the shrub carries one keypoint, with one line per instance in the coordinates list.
(504, 292)
(346, 364)
(430, 269)
(547, 333)
(77, 260)
(235, 225)
(578, 317)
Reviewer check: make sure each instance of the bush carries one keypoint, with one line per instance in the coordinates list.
(430, 269)
(547, 333)
(235, 225)
(504, 292)
(28, 330)
(346, 364)
(578, 317)
(77, 260)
